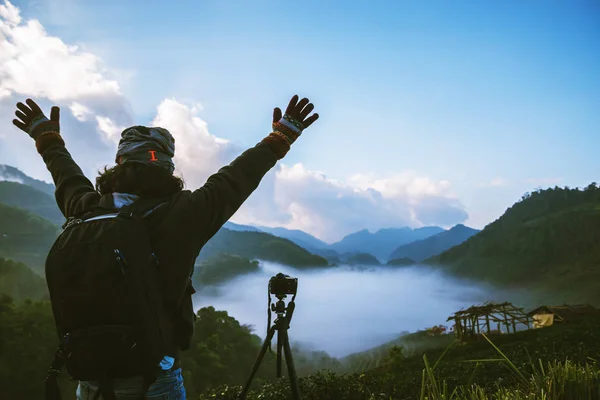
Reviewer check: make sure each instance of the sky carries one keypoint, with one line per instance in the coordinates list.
(431, 113)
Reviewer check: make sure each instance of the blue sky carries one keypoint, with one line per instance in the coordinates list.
(475, 93)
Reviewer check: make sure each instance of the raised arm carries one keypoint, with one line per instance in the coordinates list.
(224, 192)
(74, 192)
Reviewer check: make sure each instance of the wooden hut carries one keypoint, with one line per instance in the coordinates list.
(548, 315)
(488, 318)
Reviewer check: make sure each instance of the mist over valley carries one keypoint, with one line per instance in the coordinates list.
(347, 309)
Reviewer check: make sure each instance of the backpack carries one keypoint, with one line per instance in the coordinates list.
(105, 292)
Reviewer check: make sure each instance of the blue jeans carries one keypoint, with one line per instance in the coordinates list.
(168, 386)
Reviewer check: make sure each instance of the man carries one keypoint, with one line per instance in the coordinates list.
(144, 169)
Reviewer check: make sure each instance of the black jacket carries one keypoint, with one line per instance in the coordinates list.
(192, 218)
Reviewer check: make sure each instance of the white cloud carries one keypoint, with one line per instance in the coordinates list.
(297, 198)
(81, 112)
(10, 14)
(38, 65)
(198, 154)
(94, 112)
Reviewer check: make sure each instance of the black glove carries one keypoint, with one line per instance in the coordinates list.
(32, 120)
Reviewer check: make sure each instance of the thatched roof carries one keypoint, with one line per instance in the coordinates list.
(566, 312)
(490, 309)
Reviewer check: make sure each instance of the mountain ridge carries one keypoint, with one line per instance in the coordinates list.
(12, 174)
(384, 241)
(547, 241)
(421, 250)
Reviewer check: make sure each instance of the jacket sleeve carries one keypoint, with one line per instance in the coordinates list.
(224, 192)
(74, 192)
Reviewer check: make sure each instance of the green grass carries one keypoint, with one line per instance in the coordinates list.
(557, 381)
(559, 362)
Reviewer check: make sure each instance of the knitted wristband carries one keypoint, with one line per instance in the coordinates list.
(278, 144)
(40, 125)
(48, 139)
(289, 127)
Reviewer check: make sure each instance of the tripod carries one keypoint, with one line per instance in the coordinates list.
(281, 326)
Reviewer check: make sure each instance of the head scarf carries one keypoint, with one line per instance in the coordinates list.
(148, 145)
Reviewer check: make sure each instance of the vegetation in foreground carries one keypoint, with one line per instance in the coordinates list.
(559, 362)
(223, 352)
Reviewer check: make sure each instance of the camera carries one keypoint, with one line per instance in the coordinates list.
(281, 285)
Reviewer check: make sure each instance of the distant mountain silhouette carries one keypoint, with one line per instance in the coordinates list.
(12, 174)
(434, 245)
(297, 236)
(240, 228)
(260, 246)
(29, 198)
(383, 242)
(400, 262)
(360, 259)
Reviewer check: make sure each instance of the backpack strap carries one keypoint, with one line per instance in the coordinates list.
(149, 379)
(52, 389)
(144, 207)
(106, 388)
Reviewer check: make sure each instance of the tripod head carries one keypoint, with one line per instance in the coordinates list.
(280, 308)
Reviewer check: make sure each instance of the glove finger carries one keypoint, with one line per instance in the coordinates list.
(307, 110)
(299, 107)
(21, 116)
(310, 120)
(20, 125)
(55, 114)
(276, 114)
(292, 104)
(26, 110)
(34, 107)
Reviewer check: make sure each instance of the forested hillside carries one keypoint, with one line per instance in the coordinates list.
(12, 174)
(262, 246)
(31, 199)
(18, 281)
(548, 240)
(222, 267)
(25, 236)
(432, 246)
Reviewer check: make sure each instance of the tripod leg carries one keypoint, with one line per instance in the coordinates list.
(279, 348)
(290, 363)
(259, 359)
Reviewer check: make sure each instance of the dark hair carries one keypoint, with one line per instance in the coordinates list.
(144, 180)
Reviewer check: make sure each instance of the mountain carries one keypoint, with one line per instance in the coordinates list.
(383, 242)
(432, 246)
(20, 282)
(299, 237)
(240, 228)
(360, 259)
(12, 174)
(547, 241)
(25, 237)
(222, 267)
(29, 198)
(400, 262)
(261, 246)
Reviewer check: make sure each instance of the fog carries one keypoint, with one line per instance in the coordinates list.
(342, 310)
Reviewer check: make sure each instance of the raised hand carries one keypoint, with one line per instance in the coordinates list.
(295, 120)
(31, 119)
